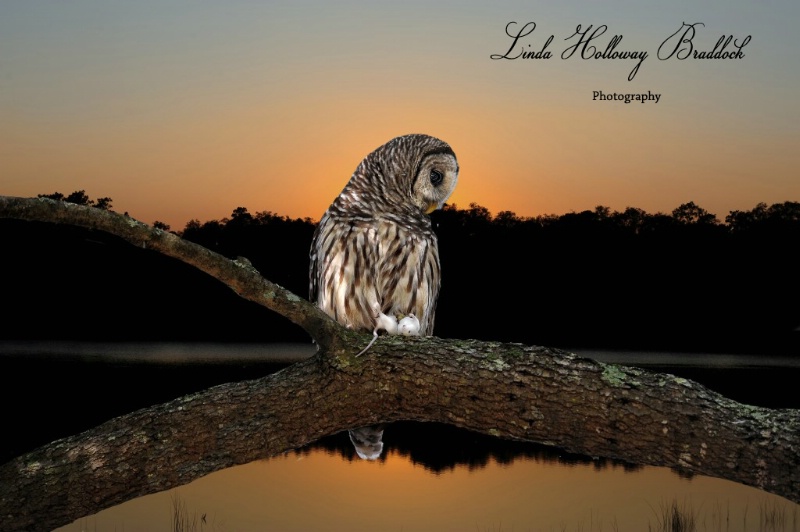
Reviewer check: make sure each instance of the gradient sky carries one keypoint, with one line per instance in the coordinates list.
(182, 110)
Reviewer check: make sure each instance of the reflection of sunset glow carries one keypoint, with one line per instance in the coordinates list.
(321, 491)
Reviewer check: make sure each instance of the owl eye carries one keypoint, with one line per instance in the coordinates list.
(436, 178)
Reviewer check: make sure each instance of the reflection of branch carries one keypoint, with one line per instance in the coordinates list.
(508, 390)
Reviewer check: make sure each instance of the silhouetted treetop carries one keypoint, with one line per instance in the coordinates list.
(103, 203)
(79, 197)
(777, 217)
(689, 213)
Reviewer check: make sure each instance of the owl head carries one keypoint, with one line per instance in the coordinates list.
(409, 173)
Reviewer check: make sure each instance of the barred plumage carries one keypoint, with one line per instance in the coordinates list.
(374, 250)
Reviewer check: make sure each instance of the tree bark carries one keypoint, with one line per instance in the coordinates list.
(508, 390)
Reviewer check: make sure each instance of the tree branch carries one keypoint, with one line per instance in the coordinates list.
(507, 390)
(237, 274)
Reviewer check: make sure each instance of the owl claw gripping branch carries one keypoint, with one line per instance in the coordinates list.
(375, 257)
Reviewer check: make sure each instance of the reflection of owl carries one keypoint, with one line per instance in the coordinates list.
(374, 252)
(368, 441)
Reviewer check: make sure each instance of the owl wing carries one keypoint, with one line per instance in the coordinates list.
(343, 271)
(408, 272)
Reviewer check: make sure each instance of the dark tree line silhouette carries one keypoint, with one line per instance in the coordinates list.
(276, 245)
(79, 197)
(597, 278)
(629, 279)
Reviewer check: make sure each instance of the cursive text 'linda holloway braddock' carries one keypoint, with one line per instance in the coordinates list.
(586, 43)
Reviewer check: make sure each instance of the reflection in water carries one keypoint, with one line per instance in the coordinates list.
(368, 441)
(439, 448)
(504, 486)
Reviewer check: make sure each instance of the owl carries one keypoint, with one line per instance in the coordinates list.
(374, 255)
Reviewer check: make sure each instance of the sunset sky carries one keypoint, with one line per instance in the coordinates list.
(182, 110)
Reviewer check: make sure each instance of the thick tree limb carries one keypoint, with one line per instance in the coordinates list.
(508, 390)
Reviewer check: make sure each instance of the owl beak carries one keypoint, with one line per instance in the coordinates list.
(432, 207)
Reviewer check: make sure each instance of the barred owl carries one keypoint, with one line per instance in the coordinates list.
(374, 256)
